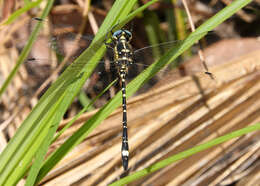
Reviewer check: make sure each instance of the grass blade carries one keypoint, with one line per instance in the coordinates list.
(11, 149)
(28, 46)
(185, 154)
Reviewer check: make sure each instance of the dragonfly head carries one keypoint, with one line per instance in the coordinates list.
(122, 35)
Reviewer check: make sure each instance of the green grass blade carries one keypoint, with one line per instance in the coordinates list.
(154, 33)
(83, 110)
(17, 13)
(84, 100)
(185, 154)
(39, 157)
(16, 169)
(133, 14)
(27, 48)
(7, 153)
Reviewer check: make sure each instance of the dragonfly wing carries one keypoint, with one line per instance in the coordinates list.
(60, 38)
(154, 52)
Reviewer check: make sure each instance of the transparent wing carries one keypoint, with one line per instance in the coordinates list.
(142, 57)
(150, 54)
(67, 44)
(157, 50)
(61, 39)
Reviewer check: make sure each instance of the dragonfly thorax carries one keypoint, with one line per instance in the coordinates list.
(123, 54)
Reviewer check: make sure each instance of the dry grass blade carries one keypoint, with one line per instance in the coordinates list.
(168, 120)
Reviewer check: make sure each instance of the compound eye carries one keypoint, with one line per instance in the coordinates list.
(117, 34)
(128, 34)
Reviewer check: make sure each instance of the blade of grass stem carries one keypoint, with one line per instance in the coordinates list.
(27, 48)
(15, 170)
(83, 110)
(29, 5)
(10, 151)
(39, 157)
(185, 154)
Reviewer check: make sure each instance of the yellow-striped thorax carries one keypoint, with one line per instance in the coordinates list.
(123, 54)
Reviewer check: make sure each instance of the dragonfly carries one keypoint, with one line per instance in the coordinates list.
(124, 57)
